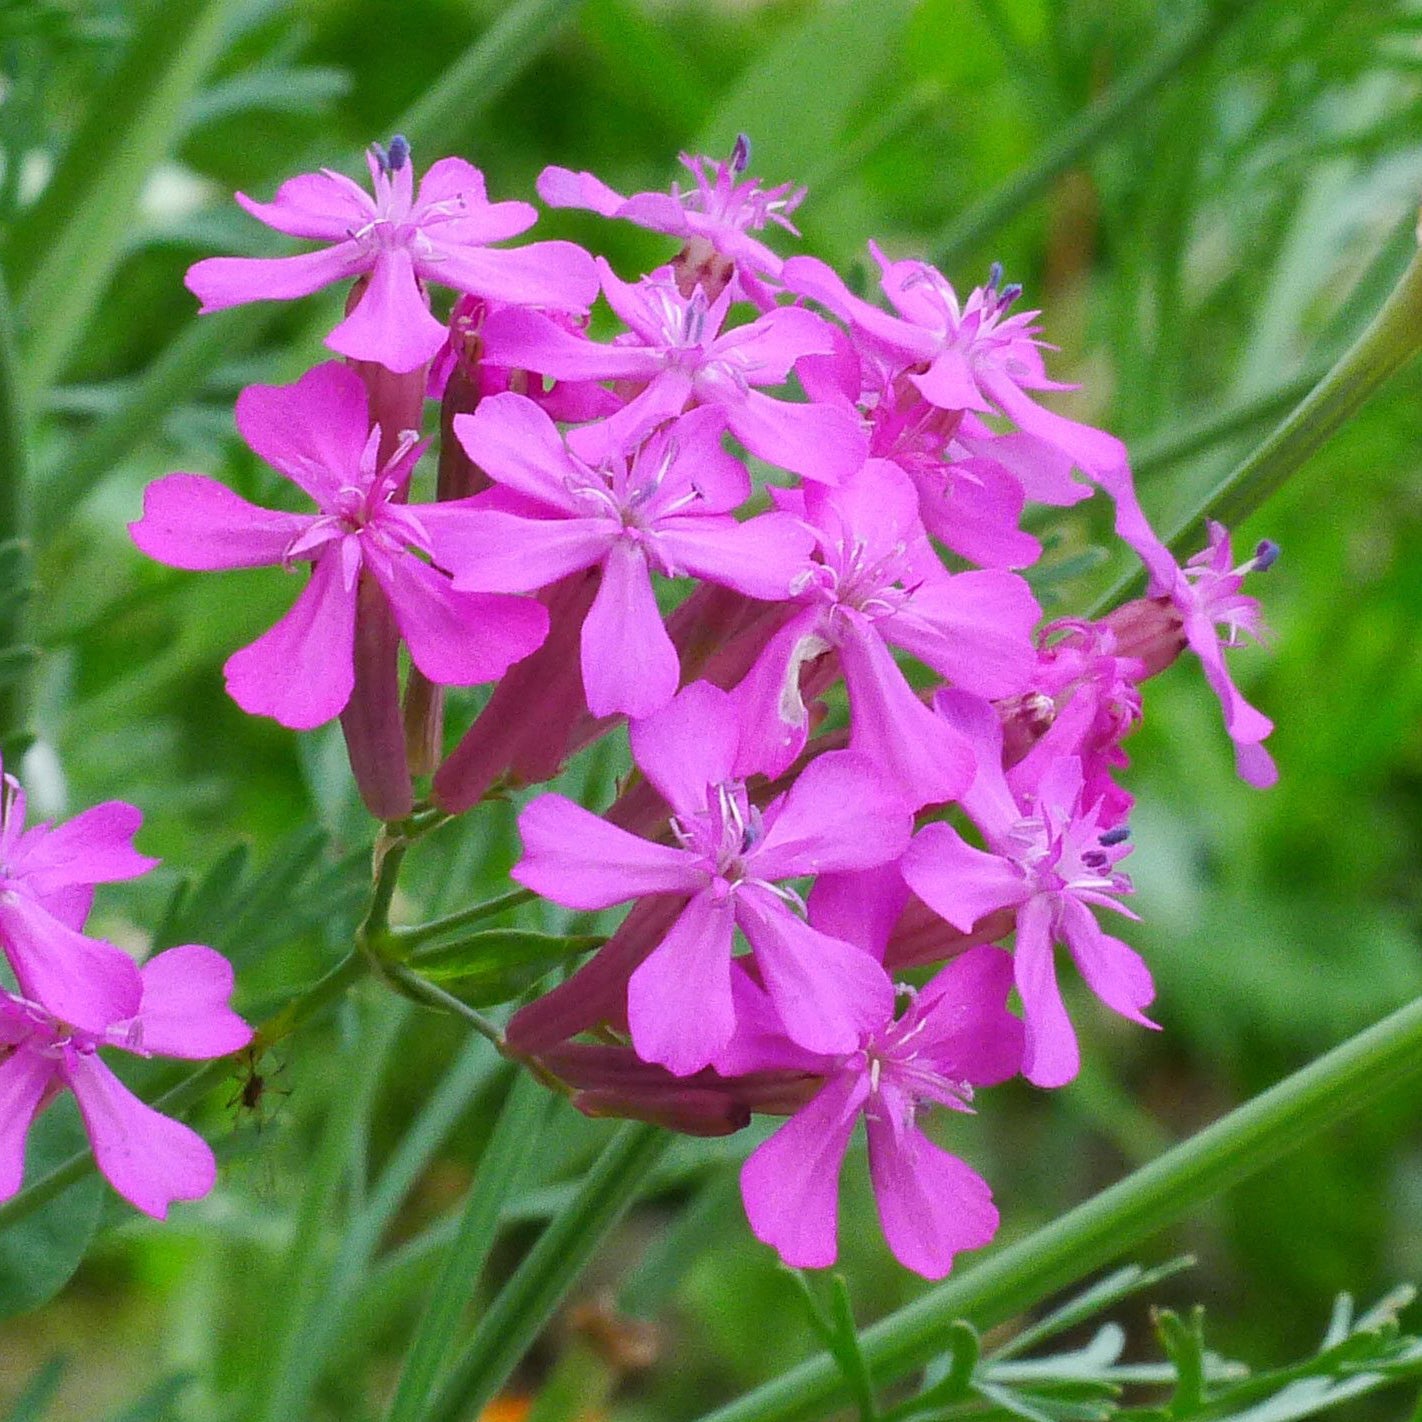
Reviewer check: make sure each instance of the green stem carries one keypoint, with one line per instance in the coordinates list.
(524, 1305)
(410, 938)
(432, 995)
(1391, 339)
(193, 1088)
(1340, 1084)
(1090, 127)
(500, 1167)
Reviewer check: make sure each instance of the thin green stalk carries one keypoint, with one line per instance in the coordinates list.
(432, 995)
(1340, 1084)
(525, 1304)
(1391, 339)
(14, 515)
(194, 1087)
(1109, 114)
(1178, 445)
(410, 938)
(500, 1168)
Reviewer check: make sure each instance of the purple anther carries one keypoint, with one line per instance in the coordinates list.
(1265, 555)
(1119, 835)
(994, 276)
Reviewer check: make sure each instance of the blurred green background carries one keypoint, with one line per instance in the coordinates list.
(1207, 202)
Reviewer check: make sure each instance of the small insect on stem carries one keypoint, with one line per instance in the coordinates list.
(254, 1087)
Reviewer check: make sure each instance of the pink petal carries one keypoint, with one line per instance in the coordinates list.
(928, 759)
(219, 282)
(561, 187)
(973, 628)
(820, 442)
(860, 906)
(841, 813)
(1091, 449)
(830, 995)
(629, 663)
(790, 1183)
(766, 350)
(185, 1010)
(618, 436)
(95, 847)
(190, 521)
(391, 323)
(314, 431)
(758, 557)
(688, 745)
(877, 508)
(774, 719)
(931, 1204)
(458, 638)
(514, 442)
(321, 207)
(966, 1027)
(83, 981)
(556, 274)
(490, 551)
(958, 882)
(988, 799)
(949, 383)
(679, 1006)
(1050, 1055)
(528, 340)
(1041, 469)
(1113, 970)
(301, 671)
(149, 1158)
(24, 1078)
(813, 278)
(576, 859)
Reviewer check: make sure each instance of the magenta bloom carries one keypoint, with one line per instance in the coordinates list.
(729, 860)
(1206, 593)
(973, 356)
(1052, 858)
(955, 1035)
(396, 239)
(676, 347)
(667, 509)
(150, 1159)
(47, 878)
(301, 671)
(721, 210)
(879, 582)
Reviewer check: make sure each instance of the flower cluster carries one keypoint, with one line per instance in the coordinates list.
(77, 994)
(860, 751)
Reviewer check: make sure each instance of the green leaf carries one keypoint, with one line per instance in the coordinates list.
(66, 247)
(1184, 1342)
(40, 1253)
(836, 1330)
(498, 964)
(524, 1305)
(33, 1403)
(500, 1168)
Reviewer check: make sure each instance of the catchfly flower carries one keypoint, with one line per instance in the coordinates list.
(149, 1158)
(395, 240)
(47, 878)
(317, 433)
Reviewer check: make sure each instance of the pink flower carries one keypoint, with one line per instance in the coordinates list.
(718, 213)
(955, 1035)
(397, 239)
(970, 357)
(728, 861)
(878, 582)
(1206, 593)
(667, 509)
(150, 1159)
(301, 671)
(1052, 858)
(47, 878)
(675, 346)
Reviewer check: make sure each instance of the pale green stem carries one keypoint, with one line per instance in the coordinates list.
(1391, 339)
(14, 515)
(409, 939)
(1339, 1084)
